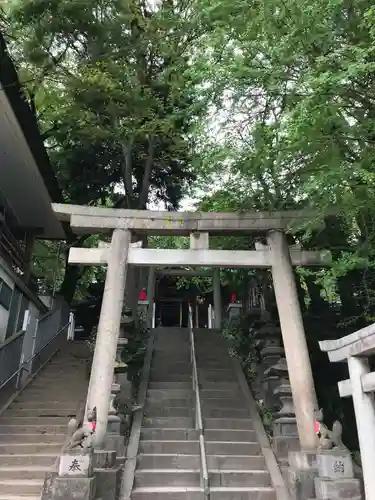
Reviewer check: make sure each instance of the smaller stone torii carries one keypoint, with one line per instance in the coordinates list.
(355, 350)
(128, 224)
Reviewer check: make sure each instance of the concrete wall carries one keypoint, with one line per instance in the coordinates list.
(13, 281)
(29, 339)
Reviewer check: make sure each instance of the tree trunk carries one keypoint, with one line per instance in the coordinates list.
(69, 284)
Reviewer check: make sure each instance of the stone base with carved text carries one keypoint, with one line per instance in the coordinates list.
(335, 479)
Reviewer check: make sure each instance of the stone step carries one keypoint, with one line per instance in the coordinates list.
(192, 493)
(167, 493)
(224, 412)
(166, 375)
(40, 412)
(61, 387)
(227, 423)
(27, 460)
(21, 486)
(60, 366)
(161, 364)
(191, 477)
(228, 448)
(170, 385)
(210, 350)
(218, 393)
(242, 478)
(159, 394)
(172, 461)
(207, 360)
(29, 448)
(179, 352)
(205, 370)
(58, 379)
(179, 344)
(177, 364)
(33, 429)
(235, 403)
(32, 438)
(27, 473)
(175, 351)
(41, 421)
(177, 402)
(71, 387)
(214, 462)
(160, 411)
(211, 347)
(45, 400)
(167, 370)
(204, 380)
(235, 436)
(169, 434)
(41, 405)
(58, 375)
(168, 423)
(168, 343)
(222, 386)
(174, 332)
(167, 477)
(65, 396)
(170, 377)
(169, 447)
(215, 367)
(157, 410)
(235, 462)
(66, 374)
(245, 493)
(212, 353)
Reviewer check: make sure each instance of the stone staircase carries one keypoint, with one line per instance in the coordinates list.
(33, 428)
(168, 465)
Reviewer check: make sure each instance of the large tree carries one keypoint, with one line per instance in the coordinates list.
(293, 93)
(111, 86)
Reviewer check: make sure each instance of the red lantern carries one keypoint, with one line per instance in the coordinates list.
(143, 295)
(234, 297)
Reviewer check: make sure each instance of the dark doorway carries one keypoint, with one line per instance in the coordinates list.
(168, 313)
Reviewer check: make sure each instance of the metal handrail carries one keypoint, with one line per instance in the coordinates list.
(198, 411)
(22, 367)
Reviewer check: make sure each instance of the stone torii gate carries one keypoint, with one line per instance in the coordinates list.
(276, 255)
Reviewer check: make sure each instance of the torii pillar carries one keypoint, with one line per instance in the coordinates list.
(217, 297)
(101, 379)
(296, 351)
(151, 295)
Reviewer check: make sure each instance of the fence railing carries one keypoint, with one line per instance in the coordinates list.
(10, 357)
(15, 367)
(24, 364)
(57, 320)
(198, 412)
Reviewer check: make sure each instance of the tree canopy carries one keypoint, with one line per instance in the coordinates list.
(112, 89)
(266, 106)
